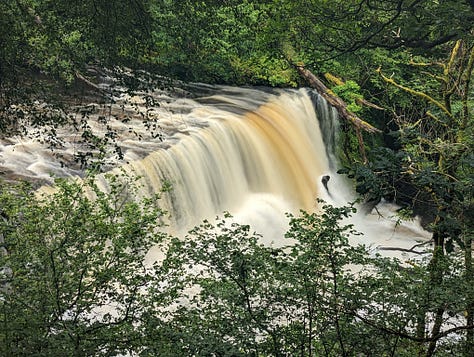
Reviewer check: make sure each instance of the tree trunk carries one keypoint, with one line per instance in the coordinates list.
(341, 108)
(470, 298)
(335, 101)
(436, 278)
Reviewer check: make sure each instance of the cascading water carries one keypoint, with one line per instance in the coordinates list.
(253, 153)
(255, 161)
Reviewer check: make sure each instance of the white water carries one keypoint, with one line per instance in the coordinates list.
(255, 154)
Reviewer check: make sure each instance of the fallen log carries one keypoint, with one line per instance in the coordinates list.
(335, 101)
(90, 84)
(341, 108)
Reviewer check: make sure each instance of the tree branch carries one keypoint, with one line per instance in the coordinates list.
(340, 106)
(339, 82)
(335, 101)
(467, 83)
(390, 331)
(90, 84)
(415, 93)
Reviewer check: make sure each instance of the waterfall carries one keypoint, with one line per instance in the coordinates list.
(254, 160)
(256, 154)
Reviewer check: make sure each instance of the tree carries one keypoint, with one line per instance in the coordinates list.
(66, 257)
(317, 296)
(321, 30)
(73, 277)
(61, 37)
(47, 47)
(432, 170)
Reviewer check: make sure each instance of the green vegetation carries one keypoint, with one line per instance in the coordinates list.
(73, 274)
(65, 260)
(74, 282)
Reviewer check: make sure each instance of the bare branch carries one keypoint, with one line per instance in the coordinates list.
(402, 334)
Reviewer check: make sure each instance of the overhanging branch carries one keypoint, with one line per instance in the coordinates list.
(341, 108)
(335, 101)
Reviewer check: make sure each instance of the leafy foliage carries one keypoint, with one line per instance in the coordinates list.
(317, 296)
(73, 278)
(62, 36)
